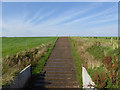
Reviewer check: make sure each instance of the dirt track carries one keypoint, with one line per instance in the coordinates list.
(59, 70)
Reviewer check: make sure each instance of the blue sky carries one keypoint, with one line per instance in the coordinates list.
(60, 18)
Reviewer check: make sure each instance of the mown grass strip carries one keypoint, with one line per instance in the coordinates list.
(77, 62)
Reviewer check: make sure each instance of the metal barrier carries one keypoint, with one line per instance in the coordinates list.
(87, 81)
(21, 79)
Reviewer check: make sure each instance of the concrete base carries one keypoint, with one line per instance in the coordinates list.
(21, 79)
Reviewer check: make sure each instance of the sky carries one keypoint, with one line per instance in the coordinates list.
(25, 19)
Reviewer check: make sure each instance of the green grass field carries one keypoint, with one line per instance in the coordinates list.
(12, 45)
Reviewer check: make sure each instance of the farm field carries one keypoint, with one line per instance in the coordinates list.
(18, 52)
(99, 55)
(12, 45)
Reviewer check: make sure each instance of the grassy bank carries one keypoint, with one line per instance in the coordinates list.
(37, 67)
(36, 56)
(77, 62)
(100, 58)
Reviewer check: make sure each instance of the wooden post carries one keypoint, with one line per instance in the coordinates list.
(111, 41)
(118, 38)
(26, 45)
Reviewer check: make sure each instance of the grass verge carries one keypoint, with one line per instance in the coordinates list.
(77, 62)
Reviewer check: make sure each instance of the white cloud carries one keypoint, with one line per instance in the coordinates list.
(45, 15)
(104, 20)
(109, 30)
(92, 16)
(21, 28)
(70, 14)
(36, 15)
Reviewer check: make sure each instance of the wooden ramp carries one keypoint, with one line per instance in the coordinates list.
(59, 70)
